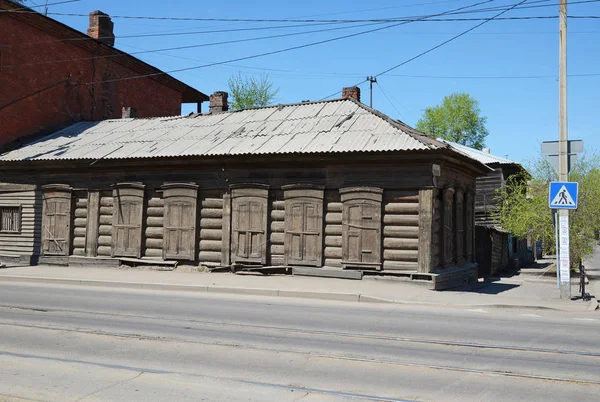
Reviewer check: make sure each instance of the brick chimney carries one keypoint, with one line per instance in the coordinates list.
(128, 112)
(351, 92)
(101, 28)
(218, 102)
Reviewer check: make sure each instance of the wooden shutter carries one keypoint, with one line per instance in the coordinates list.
(249, 223)
(127, 219)
(303, 244)
(56, 220)
(361, 227)
(180, 220)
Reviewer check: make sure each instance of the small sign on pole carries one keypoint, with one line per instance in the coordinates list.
(563, 195)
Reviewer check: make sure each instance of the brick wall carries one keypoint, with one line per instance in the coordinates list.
(40, 98)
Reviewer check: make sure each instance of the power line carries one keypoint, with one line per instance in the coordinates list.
(441, 44)
(188, 46)
(26, 9)
(275, 20)
(275, 51)
(449, 40)
(389, 100)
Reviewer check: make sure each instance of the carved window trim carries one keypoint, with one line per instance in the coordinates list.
(175, 195)
(255, 195)
(356, 196)
(127, 194)
(56, 193)
(305, 195)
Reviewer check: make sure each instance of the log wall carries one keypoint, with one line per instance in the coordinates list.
(152, 238)
(277, 226)
(333, 229)
(436, 224)
(105, 224)
(211, 227)
(400, 230)
(79, 223)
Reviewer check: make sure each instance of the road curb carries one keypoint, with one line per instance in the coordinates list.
(346, 297)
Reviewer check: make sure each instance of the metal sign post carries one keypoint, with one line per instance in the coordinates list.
(563, 196)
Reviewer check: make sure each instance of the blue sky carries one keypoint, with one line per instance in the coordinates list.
(521, 112)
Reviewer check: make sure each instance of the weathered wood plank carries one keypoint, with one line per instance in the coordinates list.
(105, 241)
(334, 207)
(402, 208)
(105, 230)
(333, 262)
(106, 220)
(211, 213)
(80, 222)
(156, 202)
(333, 241)
(211, 234)
(209, 256)
(401, 220)
(277, 226)
(401, 255)
(277, 238)
(333, 252)
(333, 230)
(154, 243)
(278, 215)
(152, 252)
(212, 203)
(154, 232)
(211, 223)
(400, 266)
(211, 245)
(155, 221)
(156, 212)
(277, 249)
(334, 218)
(401, 231)
(105, 250)
(400, 244)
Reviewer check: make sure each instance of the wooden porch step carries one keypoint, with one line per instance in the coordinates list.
(327, 273)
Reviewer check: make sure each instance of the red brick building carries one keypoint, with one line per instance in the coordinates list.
(52, 75)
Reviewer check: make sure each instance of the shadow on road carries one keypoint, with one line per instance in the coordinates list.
(487, 288)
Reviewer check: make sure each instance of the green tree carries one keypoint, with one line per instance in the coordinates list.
(247, 92)
(457, 119)
(524, 208)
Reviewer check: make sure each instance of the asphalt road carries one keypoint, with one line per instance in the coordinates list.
(68, 343)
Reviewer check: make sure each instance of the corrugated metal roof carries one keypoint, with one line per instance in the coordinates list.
(343, 125)
(483, 157)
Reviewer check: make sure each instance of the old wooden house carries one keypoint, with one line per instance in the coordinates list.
(315, 184)
(495, 247)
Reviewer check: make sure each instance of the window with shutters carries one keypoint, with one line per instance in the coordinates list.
(249, 223)
(179, 238)
(361, 227)
(56, 219)
(10, 219)
(303, 243)
(128, 201)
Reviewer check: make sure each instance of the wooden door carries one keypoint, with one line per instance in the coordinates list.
(303, 244)
(361, 228)
(180, 221)
(56, 221)
(127, 220)
(249, 224)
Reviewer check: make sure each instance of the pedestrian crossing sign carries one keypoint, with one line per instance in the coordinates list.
(563, 195)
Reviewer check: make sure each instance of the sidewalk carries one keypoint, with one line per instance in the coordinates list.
(512, 292)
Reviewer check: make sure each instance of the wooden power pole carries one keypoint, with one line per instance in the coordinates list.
(563, 158)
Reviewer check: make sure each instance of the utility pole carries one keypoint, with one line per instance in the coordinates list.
(371, 80)
(46, 8)
(563, 162)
